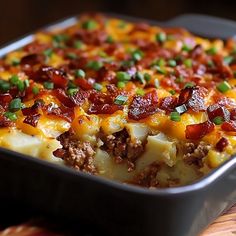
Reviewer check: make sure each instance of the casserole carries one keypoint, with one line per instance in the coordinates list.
(172, 201)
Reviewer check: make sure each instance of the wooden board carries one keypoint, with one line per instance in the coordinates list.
(225, 225)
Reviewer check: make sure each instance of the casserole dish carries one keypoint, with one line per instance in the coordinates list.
(136, 211)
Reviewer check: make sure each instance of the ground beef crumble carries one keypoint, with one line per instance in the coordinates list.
(76, 153)
(194, 153)
(122, 148)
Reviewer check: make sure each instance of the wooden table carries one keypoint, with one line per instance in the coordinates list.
(225, 225)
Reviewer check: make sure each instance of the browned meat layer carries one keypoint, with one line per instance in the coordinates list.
(120, 146)
(76, 153)
(148, 177)
(194, 153)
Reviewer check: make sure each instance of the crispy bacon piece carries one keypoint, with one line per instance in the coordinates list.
(193, 98)
(32, 59)
(5, 122)
(217, 110)
(221, 68)
(168, 103)
(35, 47)
(63, 112)
(142, 107)
(229, 126)
(197, 131)
(106, 75)
(5, 99)
(33, 110)
(222, 144)
(79, 98)
(32, 120)
(85, 84)
(233, 114)
(104, 108)
(63, 98)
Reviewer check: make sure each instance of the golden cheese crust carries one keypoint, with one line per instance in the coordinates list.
(127, 101)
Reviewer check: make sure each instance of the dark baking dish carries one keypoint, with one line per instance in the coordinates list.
(116, 208)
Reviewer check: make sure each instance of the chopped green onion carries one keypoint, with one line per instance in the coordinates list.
(48, 52)
(123, 76)
(15, 105)
(120, 100)
(21, 86)
(137, 55)
(212, 51)
(172, 63)
(147, 77)
(139, 76)
(78, 44)
(186, 48)
(26, 83)
(102, 54)
(14, 80)
(159, 70)
(72, 56)
(172, 91)
(179, 79)
(95, 65)
(127, 63)
(71, 85)
(188, 63)
(218, 120)
(156, 83)
(60, 38)
(15, 62)
(89, 25)
(110, 39)
(224, 87)
(189, 85)
(72, 91)
(140, 92)
(159, 62)
(10, 115)
(122, 24)
(175, 116)
(97, 86)
(211, 64)
(35, 90)
(120, 84)
(181, 109)
(4, 86)
(48, 85)
(228, 60)
(161, 37)
(80, 73)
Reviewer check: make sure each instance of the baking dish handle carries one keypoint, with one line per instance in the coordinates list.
(206, 26)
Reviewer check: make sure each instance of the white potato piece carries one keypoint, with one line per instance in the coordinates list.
(137, 131)
(159, 150)
(18, 141)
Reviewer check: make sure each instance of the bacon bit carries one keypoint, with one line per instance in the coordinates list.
(224, 101)
(233, 114)
(32, 59)
(222, 144)
(198, 131)
(80, 97)
(168, 103)
(5, 99)
(182, 71)
(193, 98)
(35, 47)
(96, 37)
(59, 153)
(33, 110)
(142, 107)
(229, 126)
(142, 26)
(197, 51)
(80, 62)
(63, 98)
(65, 113)
(106, 75)
(58, 77)
(32, 120)
(217, 110)
(5, 122)
(104, 108)
(221, 68)
(169, 83)
(84, 84)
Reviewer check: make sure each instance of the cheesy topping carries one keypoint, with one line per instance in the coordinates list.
(136, 103)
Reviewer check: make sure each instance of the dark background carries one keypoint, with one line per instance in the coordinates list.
(22, 16)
